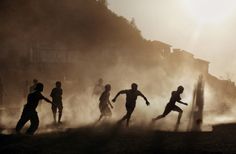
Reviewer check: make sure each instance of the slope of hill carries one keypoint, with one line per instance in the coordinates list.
(65, 23)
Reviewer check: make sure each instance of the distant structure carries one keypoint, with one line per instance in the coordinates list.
(196, 115)
(187, 60)
(161, 48)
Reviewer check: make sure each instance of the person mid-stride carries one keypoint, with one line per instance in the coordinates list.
(104, 103)
(175, 97)
(131, 97)
(29, 112)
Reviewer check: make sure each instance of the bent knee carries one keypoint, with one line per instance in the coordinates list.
(60, 110)
(163, 115)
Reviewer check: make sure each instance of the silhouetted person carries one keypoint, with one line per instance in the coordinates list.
(131, 97)
(32, 88)
(175, 97)
(29, 111)
(56, 95)
(105, 103)
(99, 88)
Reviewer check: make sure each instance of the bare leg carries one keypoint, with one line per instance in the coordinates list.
(158, 117)
(100, 117)
(122, 119)
(59, 115)
(179, 117)
(24, 118)
(178, 120)
(129, 113)
(128, 118)
(54, 112)
(54, 117)
(34, 120)
(176, 127)
(167, 110)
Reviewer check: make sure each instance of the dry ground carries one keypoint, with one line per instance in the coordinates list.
(115, 139)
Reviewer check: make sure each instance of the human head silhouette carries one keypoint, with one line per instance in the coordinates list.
(107, 87)
(180, 89)
(39, 87)
(58, 84)
(134, 86)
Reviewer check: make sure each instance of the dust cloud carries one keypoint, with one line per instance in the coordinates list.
(78, 42)
(81, 108)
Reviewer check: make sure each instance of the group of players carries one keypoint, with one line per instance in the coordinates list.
(29, 112)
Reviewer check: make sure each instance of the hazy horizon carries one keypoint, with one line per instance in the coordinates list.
(208, 34)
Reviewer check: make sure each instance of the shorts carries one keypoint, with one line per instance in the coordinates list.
(171, 107)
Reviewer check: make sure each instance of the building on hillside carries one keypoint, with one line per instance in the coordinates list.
(202, 65)
(182, 54)
(163, 49)
(52, 55)
(187, 59)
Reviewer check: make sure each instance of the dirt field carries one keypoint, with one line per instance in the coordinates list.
(114, 139)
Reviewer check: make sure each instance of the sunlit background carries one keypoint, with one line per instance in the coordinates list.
(205, 28)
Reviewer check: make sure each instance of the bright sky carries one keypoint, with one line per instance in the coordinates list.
(207, 28)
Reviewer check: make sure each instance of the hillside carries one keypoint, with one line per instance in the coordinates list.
(64, 24)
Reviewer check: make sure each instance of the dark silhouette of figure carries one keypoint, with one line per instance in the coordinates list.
(175, 97)
(131, 97)
(56, 95)
(99, 88)
(32, 88)
(29, 111)
(105, 103)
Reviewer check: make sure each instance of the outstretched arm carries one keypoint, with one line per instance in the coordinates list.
(182, 102)
(47, 100)
(147, 102)
(110, 104)
(121, 92)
